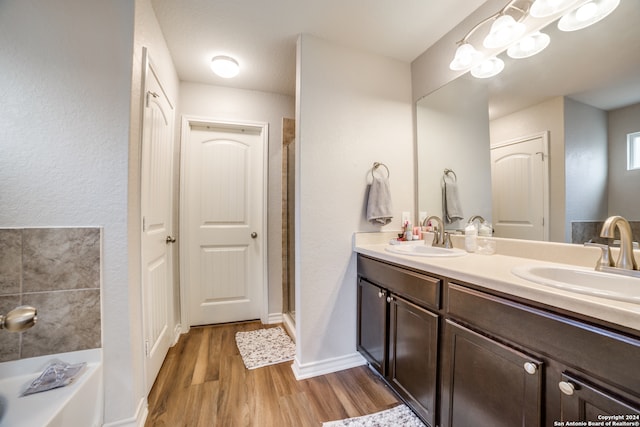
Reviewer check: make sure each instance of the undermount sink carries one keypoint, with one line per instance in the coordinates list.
(583, 281)
(425, 251)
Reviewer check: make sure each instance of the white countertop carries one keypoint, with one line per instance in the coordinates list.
(493, 272)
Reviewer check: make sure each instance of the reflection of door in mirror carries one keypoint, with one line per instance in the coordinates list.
(520, 188)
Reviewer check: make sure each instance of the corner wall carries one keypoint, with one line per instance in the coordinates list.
(64, 118)
(353, 109)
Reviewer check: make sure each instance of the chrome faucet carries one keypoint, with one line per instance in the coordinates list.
(441, 238)
(473, 218)
(625, 260)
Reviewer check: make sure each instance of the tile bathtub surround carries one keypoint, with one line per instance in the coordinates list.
(56, 270)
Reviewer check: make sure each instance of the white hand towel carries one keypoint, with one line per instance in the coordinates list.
(452, 206)
(379, 208)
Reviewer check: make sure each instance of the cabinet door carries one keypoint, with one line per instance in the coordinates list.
(372, 324)
(582, 402)
(413, 355)
(486, 383)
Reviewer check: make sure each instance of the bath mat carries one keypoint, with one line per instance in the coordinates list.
(400, 416)
(265, 347)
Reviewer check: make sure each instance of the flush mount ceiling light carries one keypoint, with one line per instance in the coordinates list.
(529, 45)
(586, 14)
(544, 8)
(225, 66)
(488, 68)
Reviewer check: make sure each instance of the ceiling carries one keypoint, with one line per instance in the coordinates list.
(262, 34)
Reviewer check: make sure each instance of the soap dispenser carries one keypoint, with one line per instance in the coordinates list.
(470, 237)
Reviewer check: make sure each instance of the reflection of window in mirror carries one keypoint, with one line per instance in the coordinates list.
(633, 151)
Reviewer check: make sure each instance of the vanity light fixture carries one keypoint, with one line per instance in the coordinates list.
(225, 66)
(587, 14)
(544, 8)
(466, 56)
(529, 45)
(488, 68)
(508, 29)
(504, 31)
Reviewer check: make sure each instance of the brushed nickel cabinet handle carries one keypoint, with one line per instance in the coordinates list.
(566, 387)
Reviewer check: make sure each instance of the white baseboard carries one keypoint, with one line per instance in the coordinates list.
(273, 318)
(176, 334)
(138, 420)
(289, 325)
(323, 367)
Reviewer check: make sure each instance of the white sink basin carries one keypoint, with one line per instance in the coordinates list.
(583, 280)
(425, 251)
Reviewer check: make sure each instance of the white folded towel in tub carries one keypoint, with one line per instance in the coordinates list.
(379, 207)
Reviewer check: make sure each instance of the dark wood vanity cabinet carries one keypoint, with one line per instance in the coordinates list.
(485, 383)
(462, 356)
(373, 317)
(413, 354)
(399, 336)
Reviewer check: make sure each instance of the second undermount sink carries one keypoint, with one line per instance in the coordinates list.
(425, 251)
(582, 280)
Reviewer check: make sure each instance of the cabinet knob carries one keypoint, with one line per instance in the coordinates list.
(566, 387)
(380, 293)
(389, 299)
(530, 368)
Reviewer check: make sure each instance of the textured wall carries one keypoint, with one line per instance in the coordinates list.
(57, 271)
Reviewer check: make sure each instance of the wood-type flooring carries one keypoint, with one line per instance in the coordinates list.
(203, 382)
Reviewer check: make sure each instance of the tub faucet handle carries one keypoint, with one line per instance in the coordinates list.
(19, 319)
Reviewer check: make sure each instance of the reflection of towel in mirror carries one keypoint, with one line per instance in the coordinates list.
(452, 207)
(379, 208)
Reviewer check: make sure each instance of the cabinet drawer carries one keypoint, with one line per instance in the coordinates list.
(419, 288)
(607, 355)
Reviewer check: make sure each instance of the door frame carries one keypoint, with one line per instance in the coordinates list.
(187, 122)
(545, 172)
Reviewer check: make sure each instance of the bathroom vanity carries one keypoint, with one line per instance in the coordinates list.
(466, 343)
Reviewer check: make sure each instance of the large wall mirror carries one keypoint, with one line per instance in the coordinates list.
(571, 106)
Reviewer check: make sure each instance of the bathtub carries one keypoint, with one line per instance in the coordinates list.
(78, 404)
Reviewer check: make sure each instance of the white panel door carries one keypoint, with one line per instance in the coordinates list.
(156, 194)
(519, 181)
(223, 209)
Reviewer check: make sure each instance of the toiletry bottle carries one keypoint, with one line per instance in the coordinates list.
(408, 234)
(470, 238)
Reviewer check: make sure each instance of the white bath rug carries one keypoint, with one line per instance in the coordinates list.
(400, 416)
(265, 347)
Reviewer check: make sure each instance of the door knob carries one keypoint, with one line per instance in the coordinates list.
(170, 239)
(254, 235)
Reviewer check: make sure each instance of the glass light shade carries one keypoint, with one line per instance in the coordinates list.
(529, 45)
(504, 31)
(544, 8)
(587, 14)
(466, 56)
(488, 68)
(225, 66)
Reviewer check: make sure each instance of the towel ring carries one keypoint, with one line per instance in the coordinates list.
(450, 172)
(376, 165)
